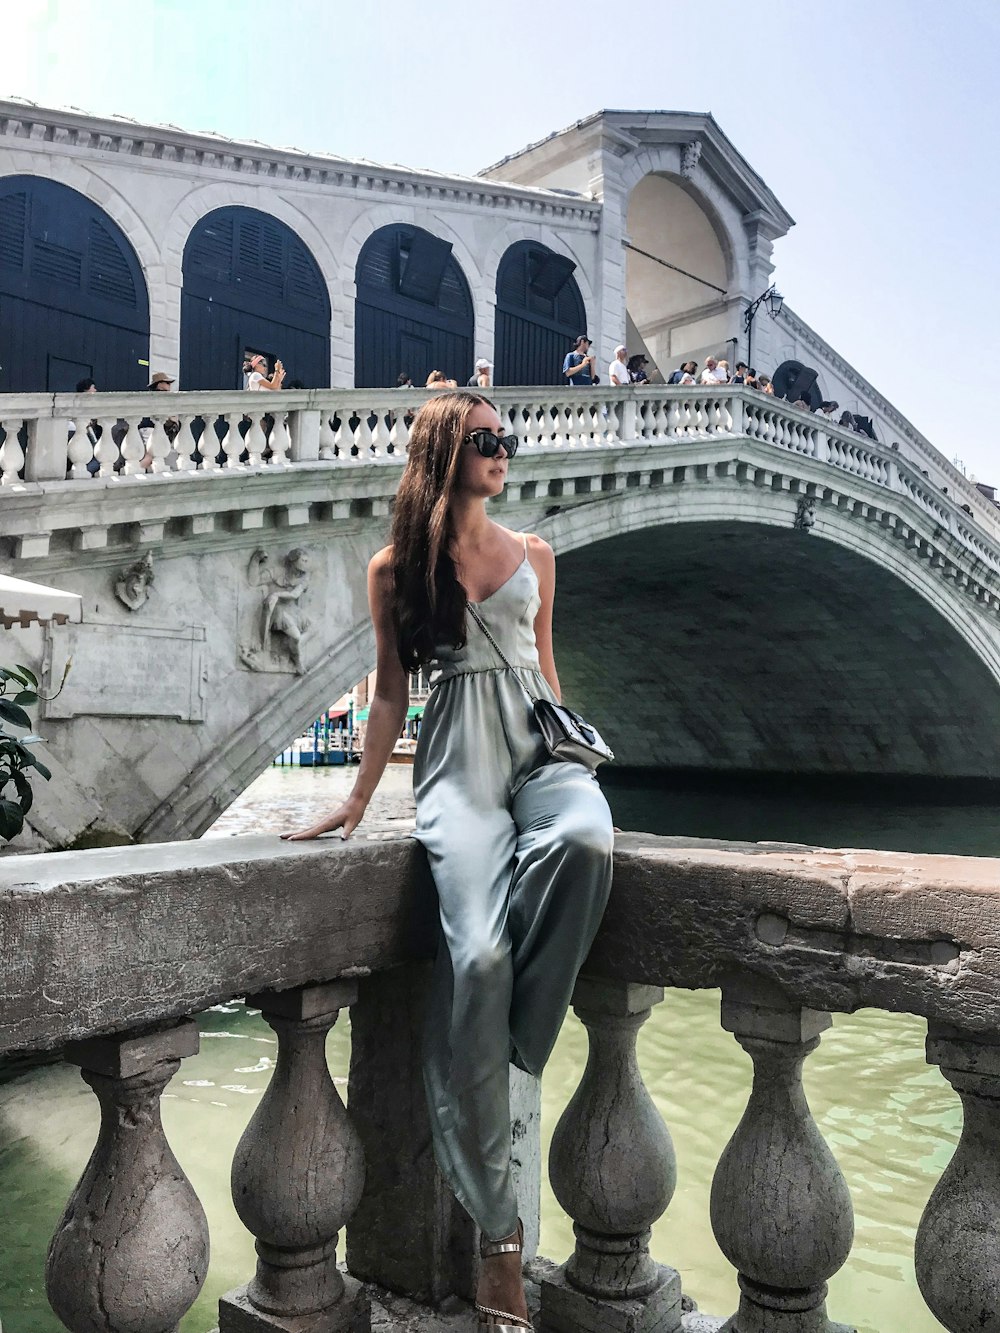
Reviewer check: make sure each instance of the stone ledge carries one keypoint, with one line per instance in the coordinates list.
(832, 930)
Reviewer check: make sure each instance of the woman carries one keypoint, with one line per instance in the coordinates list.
(437, 379)
(519, 844)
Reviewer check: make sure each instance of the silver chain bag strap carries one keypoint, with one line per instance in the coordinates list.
(564, 733)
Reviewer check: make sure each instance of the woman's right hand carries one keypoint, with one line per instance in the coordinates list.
(346, 817)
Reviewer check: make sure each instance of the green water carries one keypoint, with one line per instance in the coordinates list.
(891, 1120)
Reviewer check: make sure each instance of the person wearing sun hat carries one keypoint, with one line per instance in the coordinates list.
(482, 376)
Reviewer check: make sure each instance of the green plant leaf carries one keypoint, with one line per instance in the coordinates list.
(28, 675)
(31, 762)
(11, 820)
(10, 712)
(30, 740)
(26, 697)
(25, 795)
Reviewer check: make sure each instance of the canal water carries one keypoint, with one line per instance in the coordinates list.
(891, 1120)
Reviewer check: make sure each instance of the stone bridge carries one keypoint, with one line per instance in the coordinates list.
(743, 585)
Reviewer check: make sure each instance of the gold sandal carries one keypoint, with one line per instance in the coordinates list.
(501, 1321)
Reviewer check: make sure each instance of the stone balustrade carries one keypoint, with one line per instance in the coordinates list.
(135, 438)
(108, 954)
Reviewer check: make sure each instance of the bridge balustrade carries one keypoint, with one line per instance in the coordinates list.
(108, 954)
(133, 438)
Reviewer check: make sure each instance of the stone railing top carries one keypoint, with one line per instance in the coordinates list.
(110, 939)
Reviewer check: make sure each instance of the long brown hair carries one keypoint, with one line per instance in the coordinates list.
(428, 601)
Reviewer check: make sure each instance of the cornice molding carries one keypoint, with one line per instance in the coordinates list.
(44, 127)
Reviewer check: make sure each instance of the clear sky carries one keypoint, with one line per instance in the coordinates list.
(876, 123)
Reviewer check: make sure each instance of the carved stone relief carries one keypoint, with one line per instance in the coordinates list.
(805, 513)
(690, 157)
(133, 584)
(273, 637)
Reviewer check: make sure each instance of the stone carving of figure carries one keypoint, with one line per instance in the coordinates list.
(690, 156)
(283, 623)
(133, 584)
(805, 513)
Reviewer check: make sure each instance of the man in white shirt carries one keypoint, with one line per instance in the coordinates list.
(708, 375)
(618, 370)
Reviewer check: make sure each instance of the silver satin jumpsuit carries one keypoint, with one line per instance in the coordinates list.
(520, 849)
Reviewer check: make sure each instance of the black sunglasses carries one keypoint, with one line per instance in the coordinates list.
(488, 443)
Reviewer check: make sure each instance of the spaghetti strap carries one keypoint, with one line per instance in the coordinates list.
(524, 538)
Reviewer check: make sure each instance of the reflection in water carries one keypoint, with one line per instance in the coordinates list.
(892, 1121)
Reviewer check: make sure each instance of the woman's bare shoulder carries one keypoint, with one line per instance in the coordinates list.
(380, 567)
(538, 548)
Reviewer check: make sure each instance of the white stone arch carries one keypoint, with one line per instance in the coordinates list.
(720, 210)
(373, 219)
(201, 200)
(619, 514)
(92, 185)
(559, 242)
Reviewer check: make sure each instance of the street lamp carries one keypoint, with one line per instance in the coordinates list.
(773, 299)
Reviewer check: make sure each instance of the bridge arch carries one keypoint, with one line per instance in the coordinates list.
(251, 284)
(539, 314)
(681, 271)
(740, 642)
(75, 299)
(414, 310)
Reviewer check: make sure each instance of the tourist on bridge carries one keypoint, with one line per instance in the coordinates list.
(482, 376)
(255, 368)
(688, 368)
(578, 365)
(637, 372)
(519, 843)
(618, 375)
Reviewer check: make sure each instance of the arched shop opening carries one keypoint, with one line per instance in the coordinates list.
(73, 299)
(251, 285)
(539, 314)
(676, 275)
(414, 310)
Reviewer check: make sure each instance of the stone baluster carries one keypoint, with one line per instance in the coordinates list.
(297, 1176)
(80, 451)
(363, 438)
(280, 441)
(780, 1207)
(662, 419)
(327, 438)
(185, 447)
(612, 1169)
(399, 436)
(131, 1249)
(957, 1263)
(157, 446)
(105, 450)
(133, 449)
(609, 426)
(256, 441)
(231, 444)
(343, 436)
(11, 453)
(380, 435)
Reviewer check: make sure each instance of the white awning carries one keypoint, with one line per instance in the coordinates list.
(21, 603)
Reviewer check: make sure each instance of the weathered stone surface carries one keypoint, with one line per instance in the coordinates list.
(131, 1249)
(565, 1309)
(408, 1234)
(956, 1242)
(353, 1315)
(297, 1174)
(98, 940)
